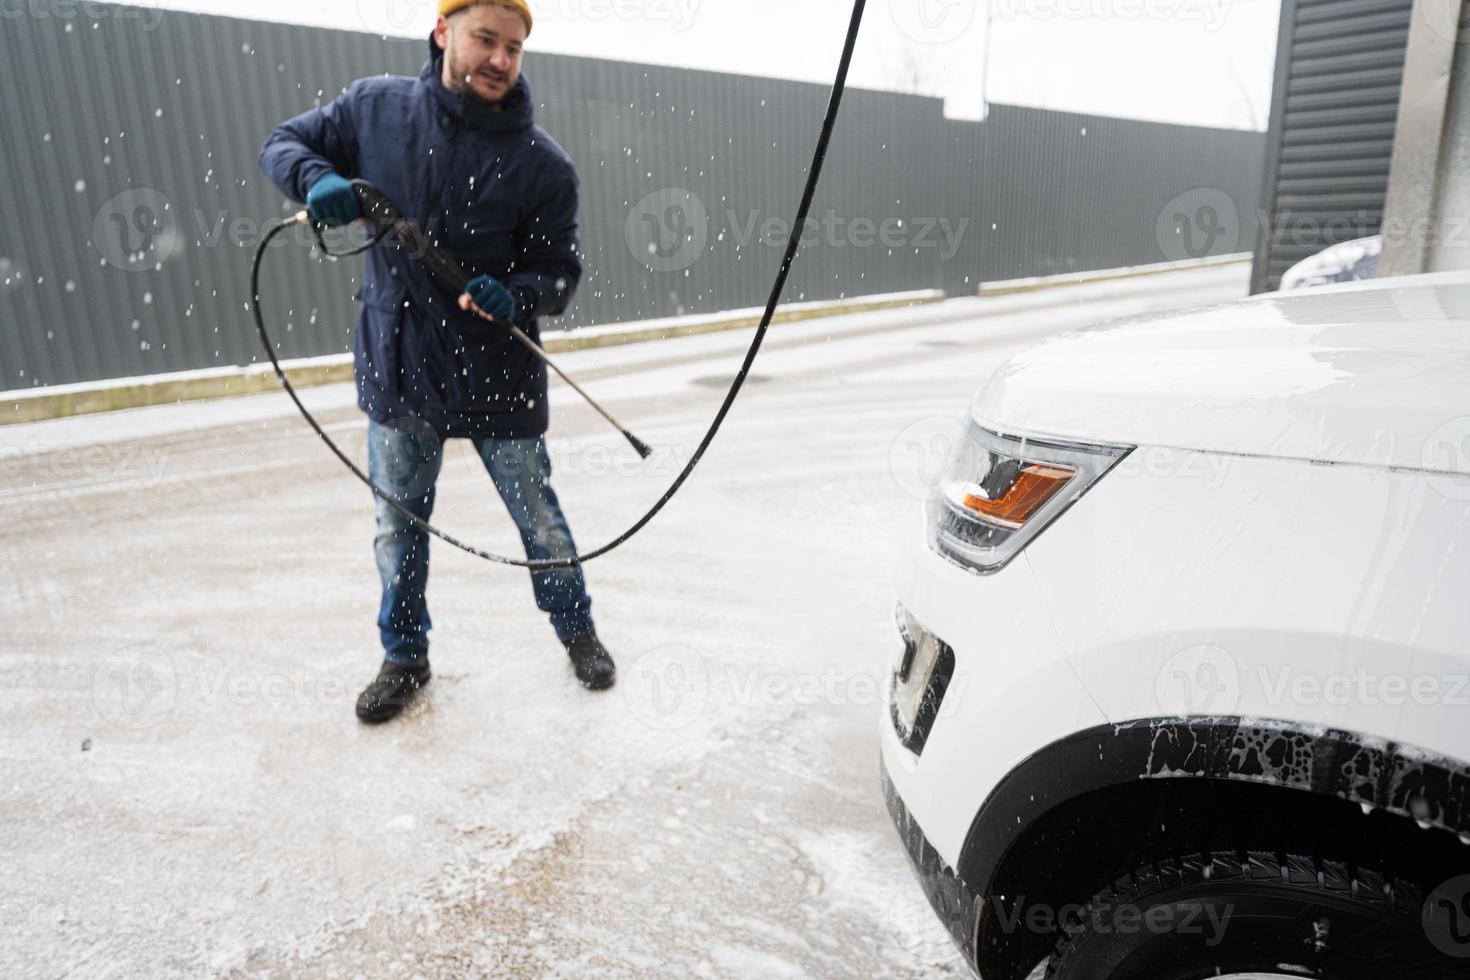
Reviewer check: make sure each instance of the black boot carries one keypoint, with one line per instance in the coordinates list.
(594, 665)
(395, 686)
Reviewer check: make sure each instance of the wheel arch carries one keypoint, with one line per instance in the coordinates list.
(1052, 831)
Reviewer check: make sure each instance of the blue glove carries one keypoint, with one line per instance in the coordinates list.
(332, 201)
(491, 297)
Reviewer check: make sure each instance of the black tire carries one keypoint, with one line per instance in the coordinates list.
(1225, 913)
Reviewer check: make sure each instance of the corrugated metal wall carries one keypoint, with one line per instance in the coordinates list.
(131, 198)
(1339, 73)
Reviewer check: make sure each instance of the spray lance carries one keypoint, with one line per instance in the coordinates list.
(385, 219)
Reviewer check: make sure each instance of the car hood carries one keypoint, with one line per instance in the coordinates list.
(1374, 373)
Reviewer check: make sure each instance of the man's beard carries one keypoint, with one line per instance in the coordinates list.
(462, 82)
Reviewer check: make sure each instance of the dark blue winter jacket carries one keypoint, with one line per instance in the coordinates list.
(493, 189)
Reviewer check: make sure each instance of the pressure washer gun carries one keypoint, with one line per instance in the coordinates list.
(385, 219)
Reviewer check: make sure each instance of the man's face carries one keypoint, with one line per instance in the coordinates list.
(482, 50)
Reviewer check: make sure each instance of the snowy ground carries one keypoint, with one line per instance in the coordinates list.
(189, 614)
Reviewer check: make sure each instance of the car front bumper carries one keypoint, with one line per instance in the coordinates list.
(956, 905)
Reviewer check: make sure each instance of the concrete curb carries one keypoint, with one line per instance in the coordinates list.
(1012, 287)
(61, 401)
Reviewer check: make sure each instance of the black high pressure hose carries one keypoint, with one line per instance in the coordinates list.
(839, 87)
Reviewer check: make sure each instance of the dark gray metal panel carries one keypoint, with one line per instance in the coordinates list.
(169, 110)
(1339, 75)
(1067, 193)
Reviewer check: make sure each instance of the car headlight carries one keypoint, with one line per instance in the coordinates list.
(1000, 492)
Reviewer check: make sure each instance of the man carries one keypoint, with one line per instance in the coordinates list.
(458, 152)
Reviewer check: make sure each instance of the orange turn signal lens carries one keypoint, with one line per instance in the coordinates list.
(1035, 485)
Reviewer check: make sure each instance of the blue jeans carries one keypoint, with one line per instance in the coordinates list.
(404, 458)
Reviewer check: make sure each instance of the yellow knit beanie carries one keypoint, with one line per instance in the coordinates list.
(519, 7)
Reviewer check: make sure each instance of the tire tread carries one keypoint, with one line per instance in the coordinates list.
(1334, 879)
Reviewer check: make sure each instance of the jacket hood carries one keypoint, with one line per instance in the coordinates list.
(512, 114)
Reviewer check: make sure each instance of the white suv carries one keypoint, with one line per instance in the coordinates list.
(1185, 681)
